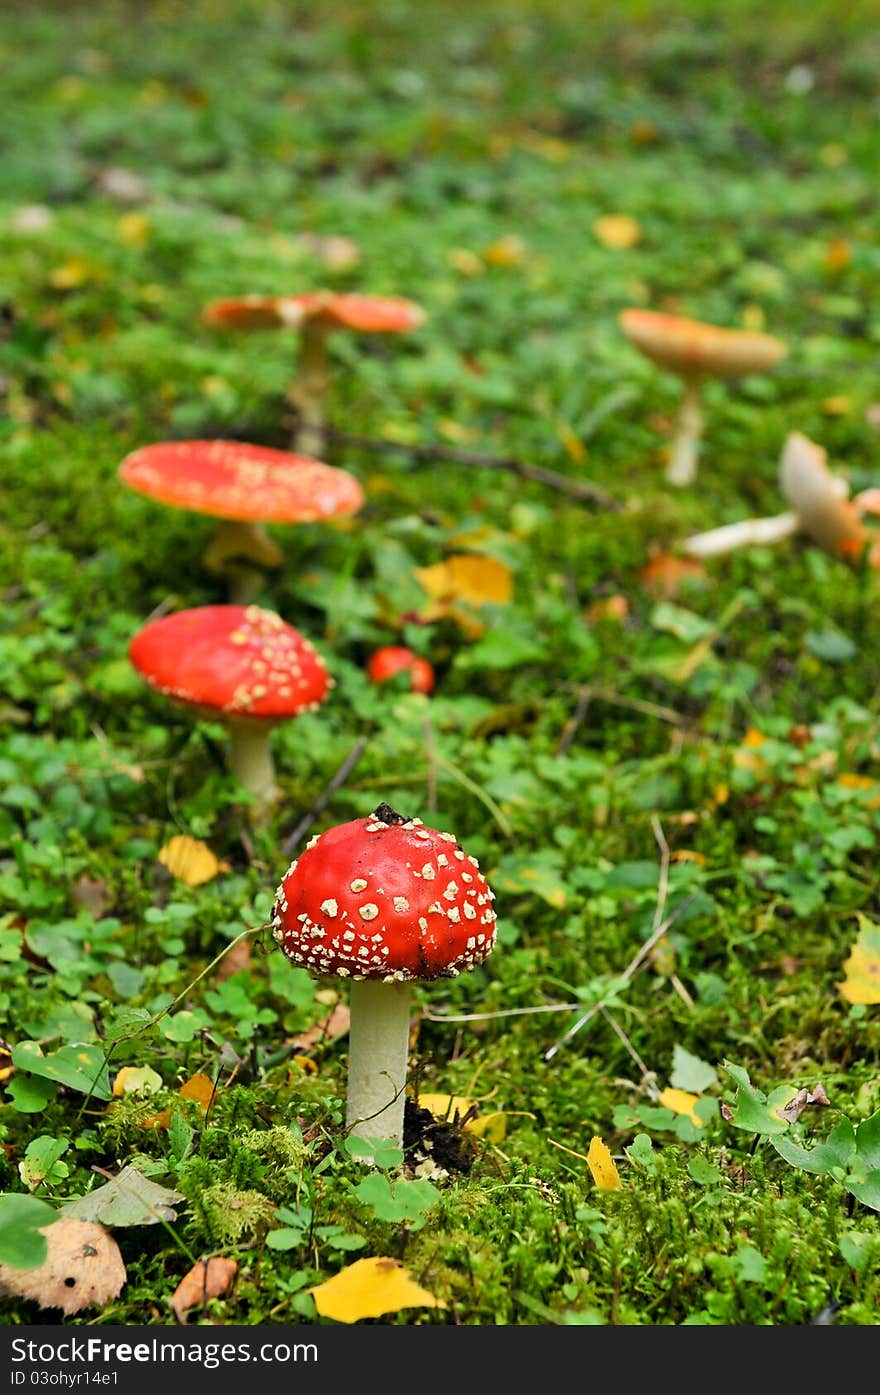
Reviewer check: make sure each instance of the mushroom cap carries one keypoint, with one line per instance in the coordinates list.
(693, 348)
(334, 310)
(385, 663)
(813, 492)
(386, 898)
(234, 480)
(241, 661)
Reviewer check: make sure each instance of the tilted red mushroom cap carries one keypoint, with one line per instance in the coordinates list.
(369, 314)
(241, 661)
(234, 480)
(691, 346)
(385, 898)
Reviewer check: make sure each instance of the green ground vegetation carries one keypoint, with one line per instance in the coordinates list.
(709, 756)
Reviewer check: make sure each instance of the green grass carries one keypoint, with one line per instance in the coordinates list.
(743, 141)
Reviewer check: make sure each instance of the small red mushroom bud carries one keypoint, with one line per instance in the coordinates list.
(387, 662)
(385, 902)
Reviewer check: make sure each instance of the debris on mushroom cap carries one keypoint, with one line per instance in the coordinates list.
(813, 492)
(234, 480)
(239, 660)
(370, 314)
(384, 897)
(691, 347)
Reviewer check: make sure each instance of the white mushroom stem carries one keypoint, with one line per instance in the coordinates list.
(378, 1046)
(748, 532)
(250, 759)
(242, 552)
(685, 448)
(308, 393)
(755, 532)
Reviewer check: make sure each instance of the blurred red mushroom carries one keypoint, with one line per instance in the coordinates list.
(247, 486)
(242, 665)
(386, 663)
(385, 902)
(315, 314)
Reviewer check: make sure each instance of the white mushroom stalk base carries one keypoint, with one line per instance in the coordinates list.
(748, 532)
(377, 1059)
(250, 760)
(684, 452)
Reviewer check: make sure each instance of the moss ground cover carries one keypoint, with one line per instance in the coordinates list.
(670, 779)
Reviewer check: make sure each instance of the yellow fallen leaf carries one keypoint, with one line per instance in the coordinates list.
(137, 1080)
(133, 229)
(199, 1088)
(574, 446)
(862, 968)
(837, 406)
(368, 1288)
(851, 781)
(464, 262)
(492, 1127)
(76, 272)
(190, 860)
(507, 251)
(472, 578)
(838, 254)
(602, 1167)
(617, 230)
(745, 756)
(680, 1102)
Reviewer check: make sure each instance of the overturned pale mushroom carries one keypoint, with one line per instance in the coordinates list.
(314, 314)
(247, 487)
(384, 902)
(696, 351)
(238, 664)
(820, 507)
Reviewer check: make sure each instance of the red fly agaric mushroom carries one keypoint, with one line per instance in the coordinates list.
(314, 314)
(385, 902)
(696, 351)
(247, 486)
(240, 664)
(385, 664)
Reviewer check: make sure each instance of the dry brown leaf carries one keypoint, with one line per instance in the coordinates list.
(209, 1278)
(235, 961)
(335, 1024)
(368, 1288)
(190, 860)
(83, 1269)
(91, 894)
(664, 574)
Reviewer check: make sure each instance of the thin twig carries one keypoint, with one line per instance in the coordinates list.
(622, 1036)
(663, 879)
(649, 709)
(570, 730)
(578, 489)
(634, 963)
(320, 804)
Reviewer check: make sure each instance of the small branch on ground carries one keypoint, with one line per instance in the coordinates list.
(578, 489)
(320, 804)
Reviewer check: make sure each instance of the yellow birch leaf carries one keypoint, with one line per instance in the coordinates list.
(445, 1106)
(469, 577)
(572, 443)
(617, 230)
(199, 1088)
(507, 251)
(602, 1168)
(492, 1127)
(680, 1102)
(368, 1288)
(133, 1080)
(851, 781)
(190, 860)
(133, 229)
(862, 968)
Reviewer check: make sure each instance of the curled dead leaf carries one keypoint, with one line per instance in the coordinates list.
(209, 1278)
(83, 1269)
